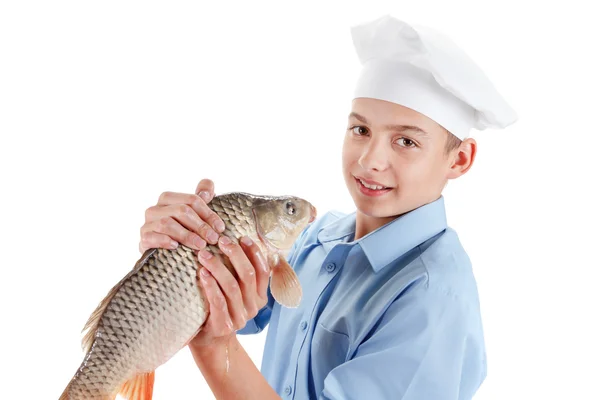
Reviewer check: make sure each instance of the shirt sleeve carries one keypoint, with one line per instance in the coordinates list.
(427, 345)
(258, 323)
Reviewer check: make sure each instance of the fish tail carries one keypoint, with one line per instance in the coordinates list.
(140, 387)
(285, 285)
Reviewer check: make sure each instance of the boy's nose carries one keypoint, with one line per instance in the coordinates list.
(373, 159)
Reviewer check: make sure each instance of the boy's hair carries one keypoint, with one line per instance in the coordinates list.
(452, 142)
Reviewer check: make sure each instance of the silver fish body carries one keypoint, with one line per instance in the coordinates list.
(156, 309)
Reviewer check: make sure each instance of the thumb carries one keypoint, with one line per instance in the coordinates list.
(206, 190)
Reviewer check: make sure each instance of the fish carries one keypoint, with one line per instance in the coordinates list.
(158, 307)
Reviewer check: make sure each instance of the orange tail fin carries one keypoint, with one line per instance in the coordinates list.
(138, 388)
(285, 285)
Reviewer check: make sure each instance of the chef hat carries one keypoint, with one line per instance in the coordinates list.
(421, 69)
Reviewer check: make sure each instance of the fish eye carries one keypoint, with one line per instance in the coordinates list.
(291, 208)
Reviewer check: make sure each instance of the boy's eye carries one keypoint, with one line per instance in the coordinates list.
(404, 142)
(359, 130)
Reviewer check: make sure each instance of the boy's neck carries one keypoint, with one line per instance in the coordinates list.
(366, 224)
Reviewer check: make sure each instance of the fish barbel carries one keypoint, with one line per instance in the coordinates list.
(158, 307)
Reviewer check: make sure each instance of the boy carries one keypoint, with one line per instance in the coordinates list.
(390, 306)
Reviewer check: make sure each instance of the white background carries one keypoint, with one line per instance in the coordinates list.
(104, 105)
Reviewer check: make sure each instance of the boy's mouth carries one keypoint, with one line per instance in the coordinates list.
(371, 188)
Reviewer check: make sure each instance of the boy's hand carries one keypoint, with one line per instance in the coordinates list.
(231, 302)
(182, 218)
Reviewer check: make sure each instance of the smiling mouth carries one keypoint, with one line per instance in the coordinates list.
(372, 187)
(371, 190)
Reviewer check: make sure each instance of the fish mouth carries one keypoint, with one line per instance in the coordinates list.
(313, 213)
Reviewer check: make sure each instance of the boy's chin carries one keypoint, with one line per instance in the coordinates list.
(378, 210)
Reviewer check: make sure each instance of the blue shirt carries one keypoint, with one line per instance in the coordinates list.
(393, 315)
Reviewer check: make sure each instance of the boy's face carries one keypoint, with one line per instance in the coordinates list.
(398, 148)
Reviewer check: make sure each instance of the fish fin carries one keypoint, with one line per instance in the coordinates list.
(285, 285)
(94, 320)
(140, 387)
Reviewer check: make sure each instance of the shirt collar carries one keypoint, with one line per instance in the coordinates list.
(387, 243)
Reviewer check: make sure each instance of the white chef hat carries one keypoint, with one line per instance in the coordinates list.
(421, 69)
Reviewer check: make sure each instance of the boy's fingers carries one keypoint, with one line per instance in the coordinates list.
(245, 272)
(205, 189)
(261, 269)
(195, 202)
(219, 313)
(186, 216)
(228, 284)
(172, 228)
(154, 240)
(168, 198)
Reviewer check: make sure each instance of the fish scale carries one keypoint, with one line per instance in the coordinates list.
(154, 313)
(158, 307)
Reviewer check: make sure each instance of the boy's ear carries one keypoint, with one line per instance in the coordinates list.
(462, 158)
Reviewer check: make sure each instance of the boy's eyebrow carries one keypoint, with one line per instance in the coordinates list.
(399, 128)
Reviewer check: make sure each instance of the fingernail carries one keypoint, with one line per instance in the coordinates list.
(205, 254)
(204, 272)
(213, 236)
(198, 242)
(247, 241)
(174, 244)
(205, 196)
(225, 241)
(220, 226)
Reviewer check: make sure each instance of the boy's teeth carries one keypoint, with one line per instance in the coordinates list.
(373, 187)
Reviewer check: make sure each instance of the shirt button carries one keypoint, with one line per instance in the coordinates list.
(303, 325)
(330, 267)
(288, 390)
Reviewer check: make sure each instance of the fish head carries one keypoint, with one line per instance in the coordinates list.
(280, 220)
